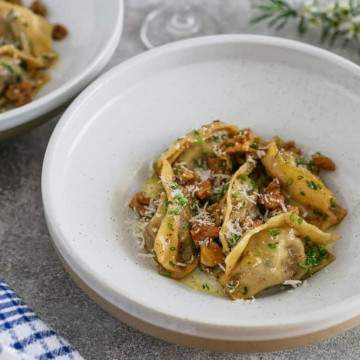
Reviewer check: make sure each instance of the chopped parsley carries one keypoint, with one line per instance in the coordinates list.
(308, 163)
(313, 185)
(198, 138)
(254, 145)
(200, 163)
(233, 240)
(164, 272)
(175, 211)
(272, 246)
(174, 186)
(181, 200)
(218, 138)
(296, 219)
(205, 286)
(315, 255)
(274, 232)
(333, 203)
(247, 179)
(302, 193)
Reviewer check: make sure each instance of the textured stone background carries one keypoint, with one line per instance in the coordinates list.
(29, 263)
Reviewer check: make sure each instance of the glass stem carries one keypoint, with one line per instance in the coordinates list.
(183, 21)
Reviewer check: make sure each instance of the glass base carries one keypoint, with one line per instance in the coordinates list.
(165, 25)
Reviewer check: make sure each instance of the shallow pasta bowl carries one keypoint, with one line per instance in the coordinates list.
(101, 150)
(82, 55)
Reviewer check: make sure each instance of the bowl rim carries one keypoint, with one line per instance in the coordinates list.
(54, 99)
(330, 316)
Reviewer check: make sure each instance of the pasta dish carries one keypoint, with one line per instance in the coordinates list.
(252, 213)
(26, 51)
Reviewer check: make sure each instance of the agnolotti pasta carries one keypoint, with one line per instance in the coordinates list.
(250, 213)
(26, 51)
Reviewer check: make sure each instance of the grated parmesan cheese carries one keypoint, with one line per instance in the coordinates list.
(293, 283)
(143, 255)
(203, 217)
(221, 267)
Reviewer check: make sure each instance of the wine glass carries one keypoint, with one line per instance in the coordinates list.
(180, 20)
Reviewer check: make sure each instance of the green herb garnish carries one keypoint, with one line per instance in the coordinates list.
(205, 286)
(254, 145)
(302, 193)
(333, 203)
(181, 200)
(165, 273)
(200, 163)
(274, 232)
(272, 246)
(308, 163)
(315, 255)
(313, 185)
(233, 240)
(198, 138)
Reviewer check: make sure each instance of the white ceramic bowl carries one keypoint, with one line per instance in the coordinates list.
(94, 32)
(100, 151)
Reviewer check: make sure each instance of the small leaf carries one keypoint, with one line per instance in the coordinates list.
(282, 24)
(276, 19)
(302, 25)
(259, 18)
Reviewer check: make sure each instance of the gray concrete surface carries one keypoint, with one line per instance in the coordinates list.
(29, 263)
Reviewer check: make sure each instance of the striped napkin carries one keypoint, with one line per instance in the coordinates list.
(24, 336)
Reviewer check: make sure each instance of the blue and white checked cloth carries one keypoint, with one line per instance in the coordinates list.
(24, 336)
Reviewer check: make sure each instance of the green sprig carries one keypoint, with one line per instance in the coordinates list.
(338, 20)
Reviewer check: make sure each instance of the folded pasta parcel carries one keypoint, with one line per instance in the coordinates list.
(246, 212)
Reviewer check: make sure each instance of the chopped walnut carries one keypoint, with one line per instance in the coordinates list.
(249, 223)
(257, 223)
(211, 254)
(19, 93)
(39, 8)
(205, 190)
(295, 210)
(202, 232)
(216, 212)
(139, 202)
(323, 162)
(291, 146)
(218, 164)
(272, 198)
(184, 175)
(244, 142)
(59, 32)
